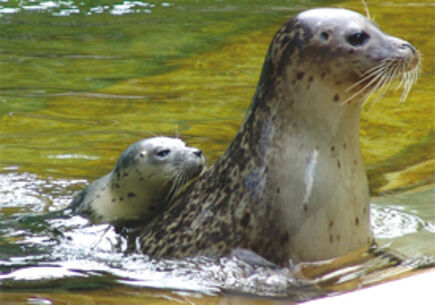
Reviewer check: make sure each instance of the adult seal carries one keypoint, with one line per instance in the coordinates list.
(292, 184)
(147, 175)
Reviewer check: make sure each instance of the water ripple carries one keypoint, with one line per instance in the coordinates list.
(66, 8)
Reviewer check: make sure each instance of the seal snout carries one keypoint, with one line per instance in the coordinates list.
(404, 53)
(409, 46)
(412, 57)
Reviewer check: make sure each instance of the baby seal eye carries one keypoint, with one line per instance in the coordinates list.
(358, 39)
(163, 153)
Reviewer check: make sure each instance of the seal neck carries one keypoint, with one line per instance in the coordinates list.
(297, 162)
(280, 115)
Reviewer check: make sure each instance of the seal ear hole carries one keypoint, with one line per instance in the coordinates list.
(324, 36)
(358, 39)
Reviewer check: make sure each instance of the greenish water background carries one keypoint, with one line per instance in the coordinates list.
(80, 82)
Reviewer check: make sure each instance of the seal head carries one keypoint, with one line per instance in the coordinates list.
(292, 184)
(147, 176)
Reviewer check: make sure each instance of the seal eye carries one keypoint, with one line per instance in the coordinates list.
(163, 153)
(358, 39)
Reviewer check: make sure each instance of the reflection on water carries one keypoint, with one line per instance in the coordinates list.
(66, 8)
(82, 80)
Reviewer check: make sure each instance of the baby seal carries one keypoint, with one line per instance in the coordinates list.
(292, 184)
(147, 176)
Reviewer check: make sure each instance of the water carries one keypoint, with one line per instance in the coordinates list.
(81, 80)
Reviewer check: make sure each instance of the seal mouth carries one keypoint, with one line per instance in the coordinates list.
(380, 77)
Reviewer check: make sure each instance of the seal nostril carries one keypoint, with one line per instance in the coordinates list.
(198, 153)
(407, 45)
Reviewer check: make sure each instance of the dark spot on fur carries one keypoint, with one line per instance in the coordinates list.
(300, 75)
(322, 75)
(336, 98)
(131, 195)
(284, 41)
(305, 207)
(215, 236)
(284, 238)
(344, 145)
(278, 190)
(331, 238)
(245, 220)
(357, 220)
(310, 79)
(170, 250)
(339, 164)
(331, 224)
(332, 148)
(113, 199)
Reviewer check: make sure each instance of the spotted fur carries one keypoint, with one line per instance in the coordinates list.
(291, 185)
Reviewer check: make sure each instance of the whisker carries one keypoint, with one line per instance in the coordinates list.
(370, 73)
(382, 87)
(366, 86)
(379, 78)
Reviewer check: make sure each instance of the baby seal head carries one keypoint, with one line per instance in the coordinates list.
(346, 50)
(147, 176)
(162, 165)
(153, 171)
